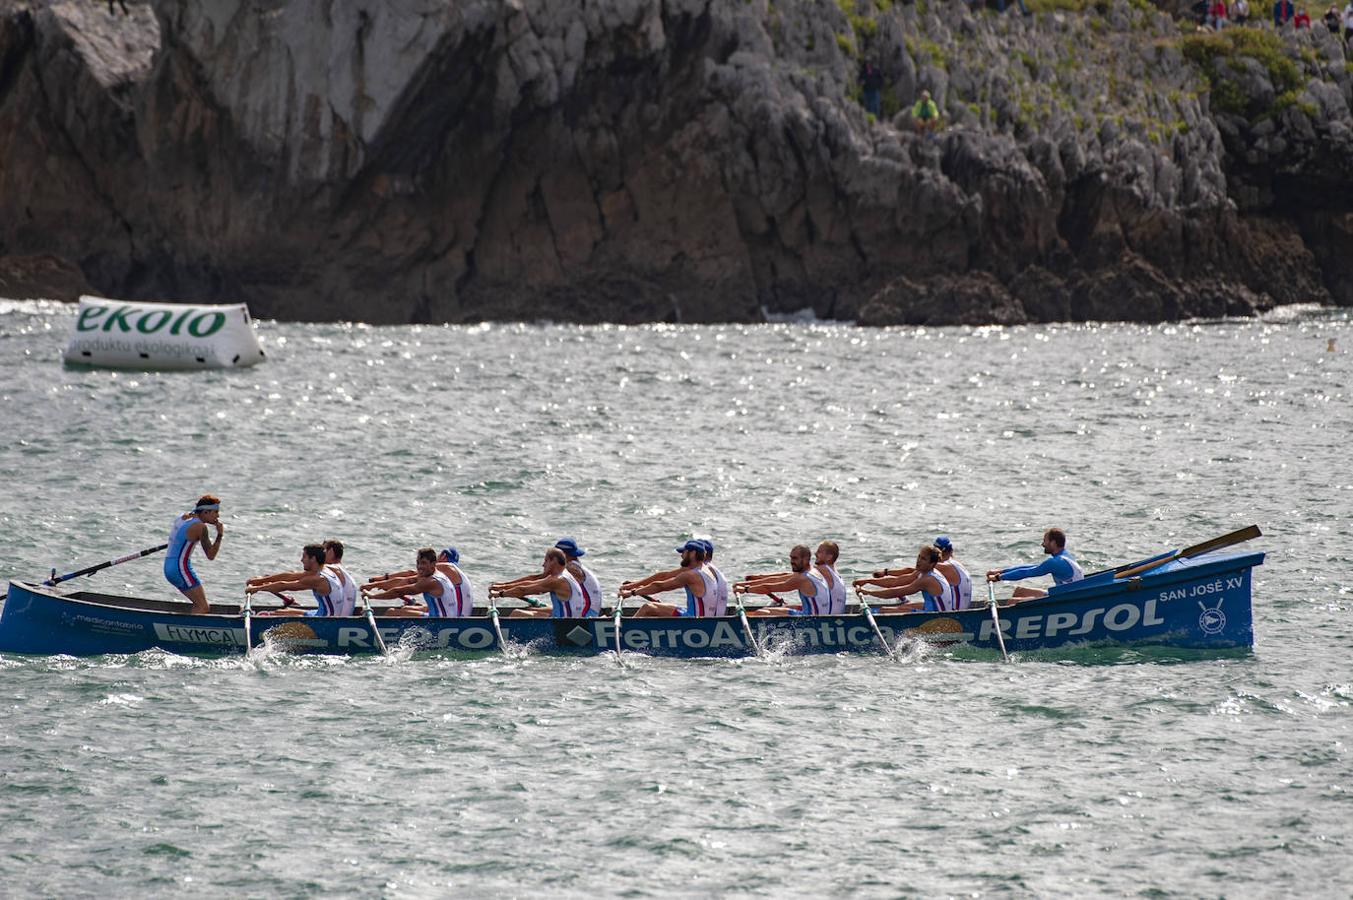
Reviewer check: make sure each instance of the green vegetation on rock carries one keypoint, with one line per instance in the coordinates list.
(1217, 55)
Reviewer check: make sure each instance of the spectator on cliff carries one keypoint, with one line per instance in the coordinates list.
(1348, 20)
(1216, 15)
(1333, 21)
(1302, 19)
(1283, 12)
(1240, 12)
(1000, 7)
(121, 3)
(871, 81)
(925, 115)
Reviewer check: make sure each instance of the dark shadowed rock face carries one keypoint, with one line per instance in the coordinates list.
(691, 160)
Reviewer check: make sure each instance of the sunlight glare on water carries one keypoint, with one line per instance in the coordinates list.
(1084, 773)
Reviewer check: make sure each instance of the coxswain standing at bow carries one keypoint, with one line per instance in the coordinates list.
(333, 560)
(701, 587)
(814, 595)
(189, 530)
(322, 581)
(1062, 566)
(567, 598)
(446, 594)
(924, 579)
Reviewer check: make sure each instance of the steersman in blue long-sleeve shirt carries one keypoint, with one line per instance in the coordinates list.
(1062, 566)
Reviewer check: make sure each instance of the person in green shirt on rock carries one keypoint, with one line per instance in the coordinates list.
(925, 115)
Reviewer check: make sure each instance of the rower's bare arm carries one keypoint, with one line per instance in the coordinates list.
(416, 586)
(904, 590)
(648, 581)
(392, 576)
(790, 582)
(887, 581)
(543, 584)
(270, 579)
(655, 585)
(516, 581)
(307, 583)
(210, 547)
(766, 576)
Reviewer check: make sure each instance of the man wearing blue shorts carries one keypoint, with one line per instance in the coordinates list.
(189, 530)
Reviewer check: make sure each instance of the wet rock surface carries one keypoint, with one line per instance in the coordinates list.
(416, 161)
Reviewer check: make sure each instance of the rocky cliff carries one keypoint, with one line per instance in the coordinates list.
(417, 161)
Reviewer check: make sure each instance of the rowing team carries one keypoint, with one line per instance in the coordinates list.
(437, 586)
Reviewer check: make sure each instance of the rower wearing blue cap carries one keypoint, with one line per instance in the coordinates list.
(814, 595)
(581, 573)
(446, 591)
(923, 579)
(1062, 566)
(954, 572)
(718, 606)
(700, 586)
(567, 600)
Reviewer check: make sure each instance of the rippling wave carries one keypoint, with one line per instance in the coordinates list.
(1091, 772)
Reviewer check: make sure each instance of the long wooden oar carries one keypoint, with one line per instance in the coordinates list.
(869, 614)
(90, 570)
(619, 606)
(375, 631)
(996, 619)
(497, 627)
(1226, 540)
(248, 613)
(746, 626)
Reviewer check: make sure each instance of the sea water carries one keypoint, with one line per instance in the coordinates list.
(1090, 772)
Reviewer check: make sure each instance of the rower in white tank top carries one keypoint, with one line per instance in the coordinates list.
(466, 587)
(344, 602)
(717, 605)
(454, 602)
(819, 603)
(591, 588)
(836, 590)
(964, 587)
(326, 604)
(945, 600)
(573, 606)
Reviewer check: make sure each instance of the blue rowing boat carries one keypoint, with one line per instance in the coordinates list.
(1201, 603)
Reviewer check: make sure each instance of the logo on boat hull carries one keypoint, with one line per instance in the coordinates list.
(1212, 620)
(195, 634)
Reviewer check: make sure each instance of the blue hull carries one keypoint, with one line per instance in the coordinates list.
(1202, 604)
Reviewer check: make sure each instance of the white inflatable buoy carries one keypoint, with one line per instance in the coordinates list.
(126, 335)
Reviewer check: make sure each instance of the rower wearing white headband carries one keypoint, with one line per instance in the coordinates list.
(189, 530)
